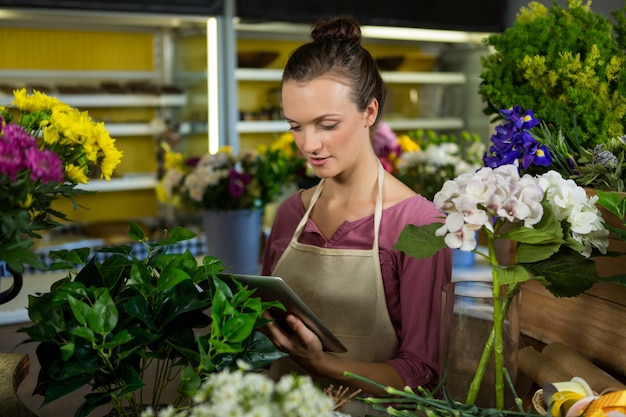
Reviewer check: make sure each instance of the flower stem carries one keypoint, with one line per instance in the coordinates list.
(494, 343)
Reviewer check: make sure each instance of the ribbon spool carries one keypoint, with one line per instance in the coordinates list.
(561, 396)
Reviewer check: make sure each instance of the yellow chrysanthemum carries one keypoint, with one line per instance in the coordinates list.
(173, 160)
(111, 157)
(284, 144)
(161, 193)
(226, 149)
(76, 174)
(26, 203)
(407, 144)
(262, 149)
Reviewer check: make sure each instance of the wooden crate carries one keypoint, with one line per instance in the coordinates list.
(591, 323)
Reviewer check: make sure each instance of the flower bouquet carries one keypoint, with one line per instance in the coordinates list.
(224, 181)
(556, 226)
(438, 158)
(240, 393)
(47, 148)
(424, 160)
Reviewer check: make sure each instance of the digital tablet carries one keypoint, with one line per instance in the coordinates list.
(276, 289)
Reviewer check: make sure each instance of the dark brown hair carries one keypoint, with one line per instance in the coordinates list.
(336, 50)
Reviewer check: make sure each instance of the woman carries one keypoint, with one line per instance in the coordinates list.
(333, 243)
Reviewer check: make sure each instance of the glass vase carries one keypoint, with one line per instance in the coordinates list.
(467, 328)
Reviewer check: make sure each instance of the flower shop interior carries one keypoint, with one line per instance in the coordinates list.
(174, 83)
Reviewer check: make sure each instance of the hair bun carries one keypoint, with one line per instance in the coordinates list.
(337, 29)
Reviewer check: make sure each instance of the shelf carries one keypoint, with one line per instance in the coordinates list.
(258, 74)
(128, 183)
(124, 100)
(423, 123)
(78, 75)
(424, 77)
(390, 77)
(153, 128)
(116, 100)
(279, 126)
(272, 126)
(134, 129)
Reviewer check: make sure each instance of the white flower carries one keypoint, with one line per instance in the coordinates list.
(569, 202)
(472, 201)
(250, 394)
(172, 179)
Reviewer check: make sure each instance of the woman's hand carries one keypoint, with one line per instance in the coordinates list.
(298, 341)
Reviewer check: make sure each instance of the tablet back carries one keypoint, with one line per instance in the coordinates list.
(270, 288)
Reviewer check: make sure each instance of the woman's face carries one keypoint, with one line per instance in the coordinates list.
(327, 126)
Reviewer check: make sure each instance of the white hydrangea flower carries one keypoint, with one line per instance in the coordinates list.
(569, 202)
(473, 200)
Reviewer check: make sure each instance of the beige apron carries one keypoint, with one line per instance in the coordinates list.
(344, 288)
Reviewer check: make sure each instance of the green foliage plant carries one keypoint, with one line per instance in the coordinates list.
(567, 65)
(131, 327)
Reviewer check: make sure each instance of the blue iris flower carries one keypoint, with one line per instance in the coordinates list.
(513, 143)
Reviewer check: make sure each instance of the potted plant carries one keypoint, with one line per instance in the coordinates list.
(122, 316)
(567, 64)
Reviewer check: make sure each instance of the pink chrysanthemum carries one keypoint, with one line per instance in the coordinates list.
(44, 165)
(11, 159)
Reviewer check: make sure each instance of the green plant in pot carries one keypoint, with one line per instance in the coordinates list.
(131, 327)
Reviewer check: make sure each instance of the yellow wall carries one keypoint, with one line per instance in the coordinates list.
(24, 48)
(110, 206)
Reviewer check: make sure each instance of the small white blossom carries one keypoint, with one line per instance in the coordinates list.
(250, 394)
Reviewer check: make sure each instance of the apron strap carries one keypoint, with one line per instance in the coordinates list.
(378, 210)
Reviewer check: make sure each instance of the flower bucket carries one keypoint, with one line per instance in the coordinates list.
(461, 259)
(234, 236)
(467, 323)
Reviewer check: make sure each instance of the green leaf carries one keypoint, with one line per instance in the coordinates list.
(613, 202)
(567, 273)
(136, 233)
(237, 328)
(67, 350)
(137, 306)
(93, 401)
(221, 305)
(260, 351)
(511, 275)
(420, 241)
(55, 391)
(103, 316)
(171, 277)
(77, 256)
(120, 338)
(85, 333)
(176, 235)
(189, 382)
(79, 309)
(529, 253)
(18, 257)
(222, 347)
